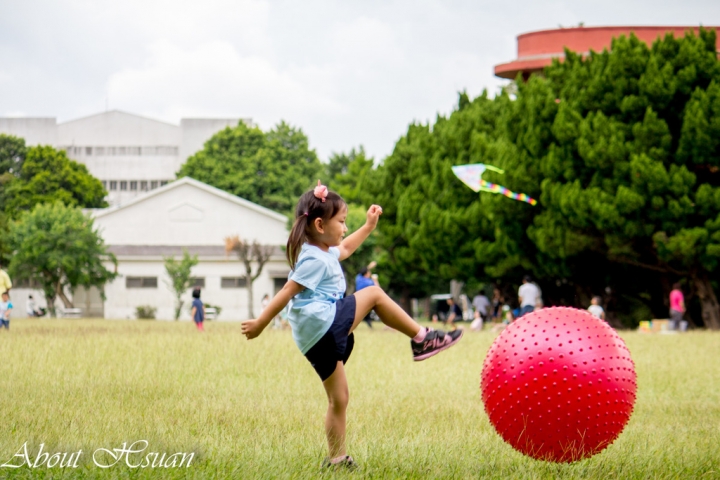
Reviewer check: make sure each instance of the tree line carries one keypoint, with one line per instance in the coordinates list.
(620, 147)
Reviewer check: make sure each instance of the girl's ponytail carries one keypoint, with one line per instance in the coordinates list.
(296, 240)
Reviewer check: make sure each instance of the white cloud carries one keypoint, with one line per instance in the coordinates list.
(214, 79)
(348, 73)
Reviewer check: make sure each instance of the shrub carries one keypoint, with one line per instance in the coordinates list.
(145, 312)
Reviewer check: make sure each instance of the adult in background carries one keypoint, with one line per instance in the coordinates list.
(497, 303)
(365, 279)
(5, 283)
(480, 305)
(528, 295)
(455, 313)
(677, 306)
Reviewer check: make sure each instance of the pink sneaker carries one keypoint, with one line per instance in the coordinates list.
(435, 342)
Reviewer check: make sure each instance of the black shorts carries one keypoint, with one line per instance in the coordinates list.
(337, 344)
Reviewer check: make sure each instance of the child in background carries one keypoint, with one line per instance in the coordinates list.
(595, 309)
(198, 310)
(5, 307)
(322, 319)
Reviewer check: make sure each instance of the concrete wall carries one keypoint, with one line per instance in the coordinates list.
(118, 146)
(117, 128)
(35, 131)
(122, 302)
(187, 215)
(196, 131)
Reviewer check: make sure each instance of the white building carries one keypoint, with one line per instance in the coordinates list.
(185, 214)
(130, 154)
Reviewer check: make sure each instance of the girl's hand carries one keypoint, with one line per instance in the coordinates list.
(373, 214)
(251, 328)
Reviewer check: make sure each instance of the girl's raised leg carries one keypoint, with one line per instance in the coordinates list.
(389, 312)
(338, 395)
(424, 343)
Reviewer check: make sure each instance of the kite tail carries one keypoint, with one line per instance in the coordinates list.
(495, 188)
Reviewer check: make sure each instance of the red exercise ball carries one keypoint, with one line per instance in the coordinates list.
(558, 384)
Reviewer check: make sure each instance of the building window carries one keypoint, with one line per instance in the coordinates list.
(104, 184)
(143, 186)
(163, 183)
(141, 282)
(198, 282)
(133, 185)
(123, 185)
(99, 150)
(153, 185)
(26, 283)
(133, 150)
(113, 185)
(88, 150)
(232, 282)
(121, 150)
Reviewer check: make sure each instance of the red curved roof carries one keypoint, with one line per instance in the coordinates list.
(537, 49)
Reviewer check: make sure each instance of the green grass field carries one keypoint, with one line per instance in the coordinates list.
(255, 409)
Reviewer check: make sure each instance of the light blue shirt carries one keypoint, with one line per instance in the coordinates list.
(312, 311)
(5, 307)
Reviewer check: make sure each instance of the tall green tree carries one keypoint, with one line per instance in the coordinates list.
(180, 272)
(58, 247)
(365, 253)
(12, 156)
(351, 175)
(270, 168)
(47, 175)
(621, 149)
(629, 167)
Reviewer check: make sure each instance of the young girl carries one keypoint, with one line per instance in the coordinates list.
(322, 320)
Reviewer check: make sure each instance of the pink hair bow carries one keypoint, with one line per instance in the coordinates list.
(321, 191)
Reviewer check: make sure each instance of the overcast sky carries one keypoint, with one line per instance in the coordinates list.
(349, 73)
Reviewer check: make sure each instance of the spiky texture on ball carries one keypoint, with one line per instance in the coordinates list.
(558, 384)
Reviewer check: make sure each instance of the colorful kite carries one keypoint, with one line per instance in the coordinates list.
(471, 175)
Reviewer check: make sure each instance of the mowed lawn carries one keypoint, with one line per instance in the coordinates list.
(255, 409)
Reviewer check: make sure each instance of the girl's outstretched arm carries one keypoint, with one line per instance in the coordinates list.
(351, 243)
(253, 328)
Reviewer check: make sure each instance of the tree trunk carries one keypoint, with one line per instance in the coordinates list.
(249, 282)
(405, 301)
(709, 303)
(60, 293)
(50, 300)
(178, 307)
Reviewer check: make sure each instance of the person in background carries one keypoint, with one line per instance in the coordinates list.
(528, 294)
(480, 306)
(365, 279)
(677, 306)
(595, 309)
(198, 310)
(455, 313)
(507, 318)
(32, 310)
(5, 283)
(497, 303)
(5, 307)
